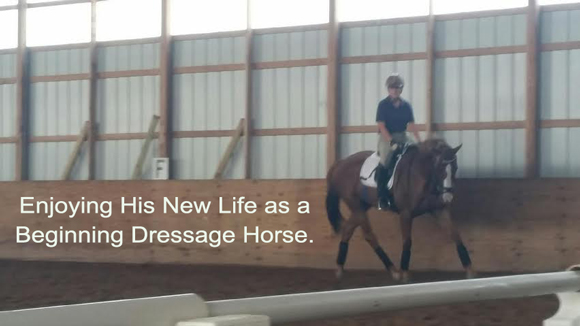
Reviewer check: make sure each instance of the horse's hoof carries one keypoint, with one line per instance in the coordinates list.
(339, 273)
(405, 277)
(470, 273)
(396, 275)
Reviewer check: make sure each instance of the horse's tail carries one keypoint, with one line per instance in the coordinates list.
(333, 205)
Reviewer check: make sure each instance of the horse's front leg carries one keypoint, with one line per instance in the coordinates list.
(406, 223)
(446, 223)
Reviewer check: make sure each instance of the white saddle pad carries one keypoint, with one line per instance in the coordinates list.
(368, 169)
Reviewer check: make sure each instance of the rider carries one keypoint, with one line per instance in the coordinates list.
(394, 115)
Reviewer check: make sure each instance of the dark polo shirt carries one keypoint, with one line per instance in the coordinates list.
(395, 118)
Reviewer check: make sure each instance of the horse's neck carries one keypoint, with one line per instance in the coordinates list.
(425, 163)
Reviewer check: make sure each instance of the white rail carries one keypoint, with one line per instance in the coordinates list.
(186, 310)
(332, 304)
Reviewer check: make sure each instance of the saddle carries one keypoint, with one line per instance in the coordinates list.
(369, 167)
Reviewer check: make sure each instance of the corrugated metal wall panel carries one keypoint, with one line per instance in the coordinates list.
(208, 101)
(60, 62)
(59, 108)
(387, 39)
(198, 158)
(485, 88)
(7, 162)
(289, 157)
(559, 157)
(48, 161)
(363, 86)
(560, 26)
(126, 105)
(7, 110)
(128, 57)
(560, 77)
(7, 65)
(290, 46)
(480, 32)
(289, 97)
(203, 52)
(489, 153)
(116, 159)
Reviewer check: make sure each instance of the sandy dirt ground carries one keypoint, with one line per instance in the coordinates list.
(38, 284)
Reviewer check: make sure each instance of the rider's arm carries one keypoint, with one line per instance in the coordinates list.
(384, 132)
(381, 123)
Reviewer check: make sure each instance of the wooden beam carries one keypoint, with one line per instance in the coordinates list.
(72, 46)
(290, 29)
(561, 46)
(8, 81)
(248, 115)
(138, 170)
(495, 125)
(482, 51)
(481, 14)
(8, 140)
(6, 8)
(561, 7)
(290, 63)
(53, 139)
(490, 125)
(215, 35)
(149, 40)
(290, 131)
(165, 83)
(230, 149)
(9, 51)
(76, 150)
(532, 66)
(384, 58)
(571, 123)
(332, 84)
(128, 73)
(430, 73)
(125, 136)
(56, 3)
(21, 97)
(202, 133)
(210, 68)
(59, 78)
(383, 22)
(93, 91)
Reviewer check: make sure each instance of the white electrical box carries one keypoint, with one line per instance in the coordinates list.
(160, 168)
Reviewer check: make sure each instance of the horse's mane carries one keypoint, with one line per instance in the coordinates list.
(432, 145)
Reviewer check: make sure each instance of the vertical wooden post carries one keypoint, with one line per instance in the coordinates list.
(93, 92)
(430, 70)
(532, 90)
(165, 92)
(248, 110)
(332, 100)
(21, 97)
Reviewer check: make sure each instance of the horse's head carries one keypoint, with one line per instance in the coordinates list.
(444, 160)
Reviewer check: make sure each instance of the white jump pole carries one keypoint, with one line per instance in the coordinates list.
(334, 304)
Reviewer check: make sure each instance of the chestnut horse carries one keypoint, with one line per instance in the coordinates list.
(418, 188)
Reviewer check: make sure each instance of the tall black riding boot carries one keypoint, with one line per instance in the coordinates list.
(383, 192)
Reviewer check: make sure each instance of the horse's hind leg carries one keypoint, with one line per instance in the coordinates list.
(445, 221)
(374, 243)
(406, 230)
(346, 234)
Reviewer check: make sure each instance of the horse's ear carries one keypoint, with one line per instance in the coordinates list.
(456, 149)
